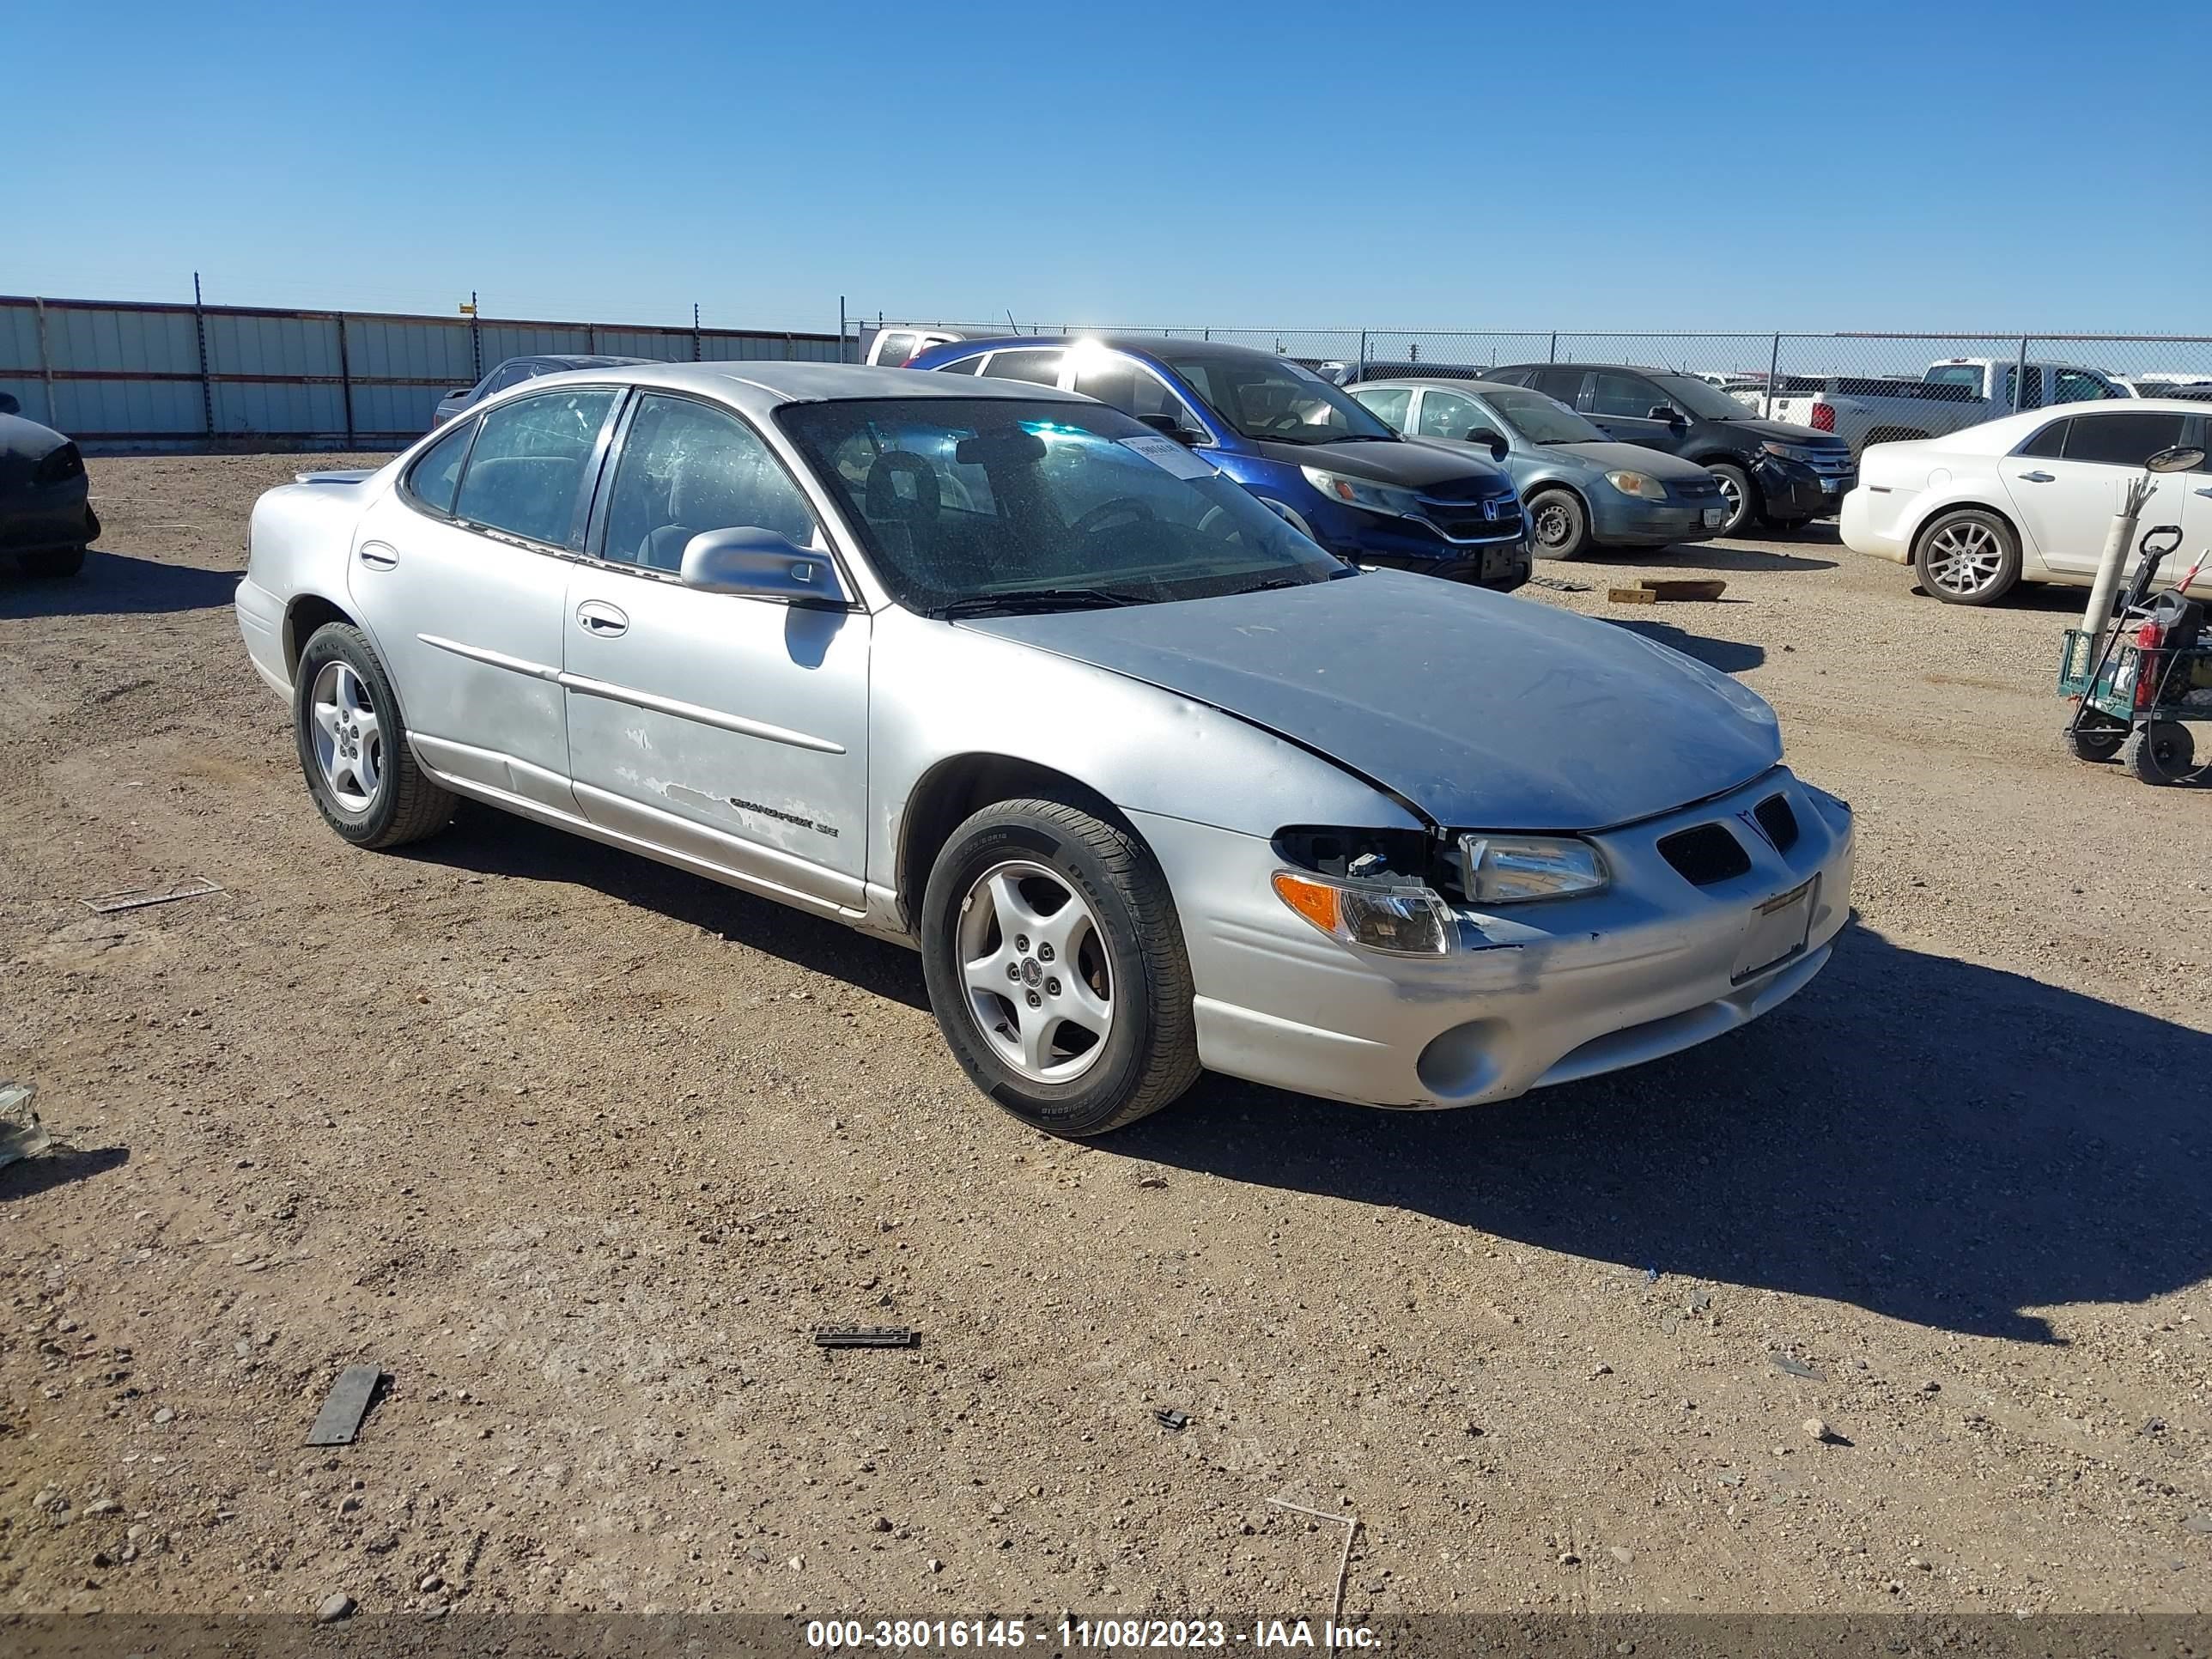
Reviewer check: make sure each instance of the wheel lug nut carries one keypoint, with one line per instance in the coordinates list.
(1022, 943)
(1044, 953)
(1035, 1001)
(1013, 970)
(1052, 987)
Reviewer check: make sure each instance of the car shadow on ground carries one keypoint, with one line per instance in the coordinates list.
(1727, 555)
(1729, 656)
(57, 1167)
(117, 585)
(2037, 599)
(1931, 1140)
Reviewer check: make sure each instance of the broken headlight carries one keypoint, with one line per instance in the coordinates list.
(1514, 869)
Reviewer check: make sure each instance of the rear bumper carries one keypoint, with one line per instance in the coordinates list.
(47, 518)
(261, 625)
(1538, 994)
(1872, 522)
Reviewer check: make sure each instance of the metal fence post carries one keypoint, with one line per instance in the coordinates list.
(345, 379)
(207, 386)
(1553, 356)
(1362, 374)
(476, 337)
(695, 335)
(47, 368)
(1773, 368)
(841, 357)
(2019, 378)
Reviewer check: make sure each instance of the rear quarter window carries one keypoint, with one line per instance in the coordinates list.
(436, 472)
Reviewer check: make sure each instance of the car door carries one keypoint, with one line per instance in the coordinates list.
(1452, 415)
(726, 729)
(1620, 403)
(2067, 480)
(458, 576)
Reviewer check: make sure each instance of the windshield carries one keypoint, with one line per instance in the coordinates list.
(1539, 419)
(1707, 403)
(1268, 398)
(965, 502)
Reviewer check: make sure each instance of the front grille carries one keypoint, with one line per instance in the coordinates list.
(1705, 855)
(1832, 463)
(1780, 823)
(1467, 521)
(1694, 489)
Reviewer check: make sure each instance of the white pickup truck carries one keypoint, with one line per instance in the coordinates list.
(1955, 394)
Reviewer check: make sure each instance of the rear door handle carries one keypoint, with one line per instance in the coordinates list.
(605, 620)
(2038, 477)
(377, 557)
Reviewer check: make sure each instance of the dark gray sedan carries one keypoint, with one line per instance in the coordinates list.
(1580, 489)
(47, 519)
(514, 372)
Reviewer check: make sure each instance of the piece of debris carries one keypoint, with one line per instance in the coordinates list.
(1818, 1432)
(865, 1336)
(1153, 1182)
(1169, 1419)
(1351, 1525)
(1559, 584)
(1796, 1368)
(2198, 1523)
(1625, 1557)
(138, 898)
(21, 1135)
(334, 1608)
(1653, 591)
(345, 1406)
(1651, 1275)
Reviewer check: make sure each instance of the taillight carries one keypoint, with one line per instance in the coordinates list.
(1824, 416)
(58, 464)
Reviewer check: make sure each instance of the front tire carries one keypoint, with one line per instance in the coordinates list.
(1969, 556)
(1559, 524)
(1741, 495)
(1056, 968)
(360, 770)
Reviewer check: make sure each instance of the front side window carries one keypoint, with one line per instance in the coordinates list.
(1128, 387)
(1565, 384)
(1624, 395)
(1005, 503)
(507, 374)
(1541, 420)
(437, 470)
(527, 469)
(1037, 368)
(1448, 415)
(1388, 402)
(2075, 386)
(2121, 439)
(686, 468)
(1272, 400)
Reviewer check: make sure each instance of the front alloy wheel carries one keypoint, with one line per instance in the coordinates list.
(1040, 988)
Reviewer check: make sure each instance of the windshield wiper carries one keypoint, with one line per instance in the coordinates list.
(1365, 438)
(1034, 599)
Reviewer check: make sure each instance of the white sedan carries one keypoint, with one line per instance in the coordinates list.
(2027, 498)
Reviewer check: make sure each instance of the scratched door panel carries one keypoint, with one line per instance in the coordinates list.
(726, 729)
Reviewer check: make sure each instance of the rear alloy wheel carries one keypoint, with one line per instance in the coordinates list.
(1968, 557)
(1740, 494)
(1559, 524)
(360, 768)
(2161, 751)
(1056, 968)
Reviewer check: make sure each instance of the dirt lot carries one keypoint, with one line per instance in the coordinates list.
(578, 1149)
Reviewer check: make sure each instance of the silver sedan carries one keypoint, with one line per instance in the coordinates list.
(1151, 781)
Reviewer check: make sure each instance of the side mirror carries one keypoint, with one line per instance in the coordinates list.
(1168, 427)
(8, 405)
(1668, 413)
(1490, 434)
(760, 564)
(2187, 459)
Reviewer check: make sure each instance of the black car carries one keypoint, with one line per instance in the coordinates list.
(1768, 470)
(47, 519)
(514, 372)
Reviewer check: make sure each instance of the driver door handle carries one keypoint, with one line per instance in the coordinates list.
(601, 620)
(2038, 477)
(377, 557)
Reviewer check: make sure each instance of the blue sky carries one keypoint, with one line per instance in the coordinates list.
(1938, 165)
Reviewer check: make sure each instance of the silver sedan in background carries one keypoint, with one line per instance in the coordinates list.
(1151, 781)
(1580, 488)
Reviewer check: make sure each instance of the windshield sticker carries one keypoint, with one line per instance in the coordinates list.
(1167, 453)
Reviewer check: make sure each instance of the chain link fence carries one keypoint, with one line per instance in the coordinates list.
(1867, 387)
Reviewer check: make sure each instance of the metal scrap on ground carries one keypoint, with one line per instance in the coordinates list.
(1559, 584)
(865, 1336)
(1797, 1368)
(21, 1135)
(1172, 1420)
(138, 898)
(1654, 590)
(346, 1404)
(1350, 1524)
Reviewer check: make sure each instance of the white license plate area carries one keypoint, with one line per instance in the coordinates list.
(1716, 517)
(1777, 931)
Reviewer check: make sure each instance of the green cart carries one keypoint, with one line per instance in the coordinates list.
(2137, 704)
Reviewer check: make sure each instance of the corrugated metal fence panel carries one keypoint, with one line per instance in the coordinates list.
(505, 340)
(30, 397)
(94, 409)
(732, 347)
(114, 340)
(293, 408)
(251, 343)
(18, 339)
(390, 412)
(666, 345)
(409, 347)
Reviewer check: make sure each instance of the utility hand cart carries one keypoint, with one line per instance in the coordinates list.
(2137, 702)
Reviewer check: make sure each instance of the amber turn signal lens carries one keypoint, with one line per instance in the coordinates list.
(1315, 900)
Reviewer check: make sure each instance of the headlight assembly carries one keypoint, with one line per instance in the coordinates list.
(1642, 486)
(1404, 919)
(1798, 452)
(1363, 492)
(1514, 869)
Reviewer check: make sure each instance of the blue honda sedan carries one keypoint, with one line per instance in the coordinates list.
(1309, 451)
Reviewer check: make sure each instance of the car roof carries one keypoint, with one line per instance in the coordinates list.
(577, 361)
(1142, 345)
(761, 383)
(1444, 383)
(1996, 436)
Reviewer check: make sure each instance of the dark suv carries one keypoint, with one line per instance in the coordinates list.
(1769, 469)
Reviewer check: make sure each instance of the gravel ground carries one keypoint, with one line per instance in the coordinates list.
(578, 1148)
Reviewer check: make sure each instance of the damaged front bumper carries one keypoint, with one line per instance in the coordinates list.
(1538, 993)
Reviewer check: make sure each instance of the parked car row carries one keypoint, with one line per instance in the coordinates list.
(1040, 687)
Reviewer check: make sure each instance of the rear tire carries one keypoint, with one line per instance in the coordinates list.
(2160, 752)
(53, 564)
(1967, 556)
(369, 788)
(1093, 1026)
(2095, 743)
(1559, 524)
(1742, 496)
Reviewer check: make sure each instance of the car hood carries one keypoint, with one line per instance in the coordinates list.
(26, 439)
(1627, 457)
(1401, 461)
(1783, 432)
(1479, 710)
